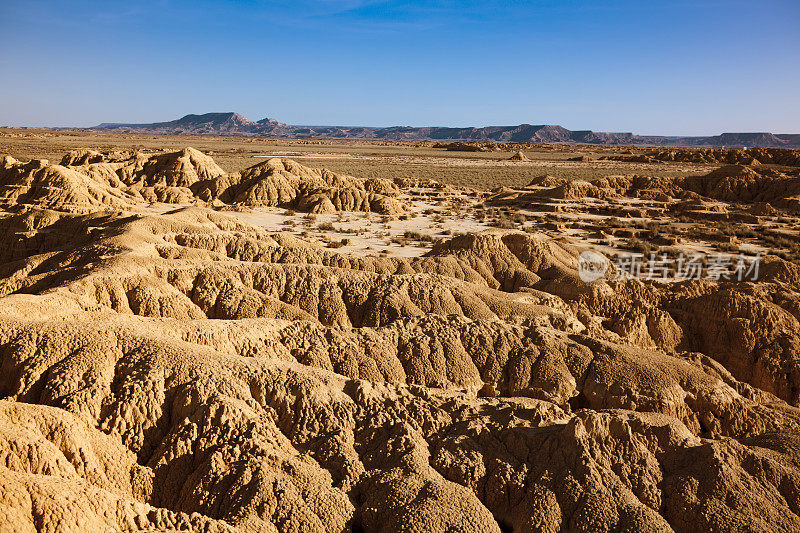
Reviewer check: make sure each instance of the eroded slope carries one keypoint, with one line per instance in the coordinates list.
(192, 370)
(189, 370)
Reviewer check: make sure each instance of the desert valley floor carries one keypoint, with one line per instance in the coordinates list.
(257, 335)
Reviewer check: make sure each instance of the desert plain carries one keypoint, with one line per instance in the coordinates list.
(242, 334)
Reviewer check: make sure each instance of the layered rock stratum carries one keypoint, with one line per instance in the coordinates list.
(191, 371)
(235, 124)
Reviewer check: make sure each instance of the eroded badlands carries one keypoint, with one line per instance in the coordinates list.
(290, 349)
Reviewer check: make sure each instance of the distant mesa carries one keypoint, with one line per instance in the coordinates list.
(235, 124)
(205, 124)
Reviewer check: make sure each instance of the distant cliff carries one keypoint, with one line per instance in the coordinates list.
(236, 124)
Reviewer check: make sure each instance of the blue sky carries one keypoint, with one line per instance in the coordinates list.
(669, 67)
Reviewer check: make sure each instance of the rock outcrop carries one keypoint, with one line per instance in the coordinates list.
(731, 183)
(282, 182)
(87, 180)
(56, 187)
(749, 156)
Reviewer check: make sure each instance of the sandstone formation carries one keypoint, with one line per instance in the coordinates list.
(55, 186)
(749, 156)
(282, 182)
(731, 183)
(88, 180)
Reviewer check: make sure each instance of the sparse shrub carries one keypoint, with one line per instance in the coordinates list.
(639, 246)
(338, 244)
(728, 247)
(504, 222)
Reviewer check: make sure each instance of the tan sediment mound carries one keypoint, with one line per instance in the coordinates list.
(749, 156)
(172, 169)
(731, 183)
(72, 476)
(179, 169)
(518, 261)
(557, 189)
(283, 182)
(163, 177)
(737, 183)
(461, 146)
(88, 179)
(57, 187)
(159, 278)
(82, 157)
(428, 183)
(577, 189)
(547, 181)
(658, 188)
(519, 156)
(764, 209)
(751, 329)
(221, 435)
(191, 371)
(756, 339)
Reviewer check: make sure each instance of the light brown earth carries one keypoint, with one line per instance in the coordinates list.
(275, 347)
